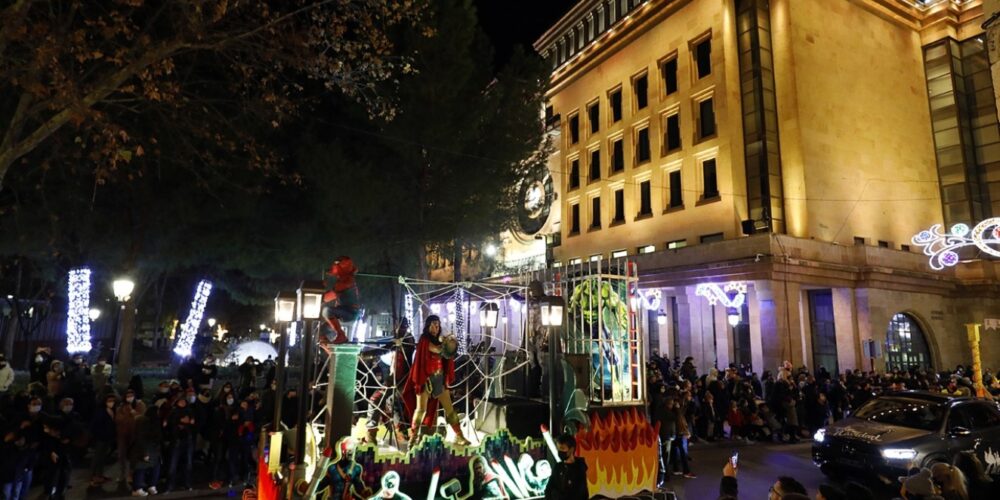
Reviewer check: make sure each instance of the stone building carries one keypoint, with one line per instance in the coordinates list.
(796, 146)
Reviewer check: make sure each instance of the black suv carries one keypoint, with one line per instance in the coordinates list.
(894, 432)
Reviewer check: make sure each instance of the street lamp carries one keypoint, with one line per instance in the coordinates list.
(489, 314)
(211, 322)
(661, 318)
(734, 318)
(122, 288)
(308, 303)
(491, 250)
(552, 309)
(284, 307)
(284, 312)
(94, 314)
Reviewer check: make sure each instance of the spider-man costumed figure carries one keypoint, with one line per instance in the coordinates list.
(343, 302)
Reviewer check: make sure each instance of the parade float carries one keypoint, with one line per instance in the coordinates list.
(558, 349)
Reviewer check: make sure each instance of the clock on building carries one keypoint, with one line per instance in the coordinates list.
(536, 193)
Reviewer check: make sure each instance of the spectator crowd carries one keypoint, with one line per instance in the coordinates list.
(71, 416)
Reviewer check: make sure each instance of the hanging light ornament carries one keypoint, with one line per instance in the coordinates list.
(78, 317)
(193, 322)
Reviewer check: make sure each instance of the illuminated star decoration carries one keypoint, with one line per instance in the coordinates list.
(732, 294)
(190, 327)
(942, 248)
(652, 298)
(78, 319)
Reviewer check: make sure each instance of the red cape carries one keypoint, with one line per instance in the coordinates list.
(418, 377)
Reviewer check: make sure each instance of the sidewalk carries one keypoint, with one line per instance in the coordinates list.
(79, 487)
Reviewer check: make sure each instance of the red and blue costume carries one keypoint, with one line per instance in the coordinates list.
(343, 301)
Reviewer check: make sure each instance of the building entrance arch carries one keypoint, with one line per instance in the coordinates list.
(905, 344)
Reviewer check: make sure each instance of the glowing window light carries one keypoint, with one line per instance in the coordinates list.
(190, 327)
(78, 318)
(942, 248)
(732, 294)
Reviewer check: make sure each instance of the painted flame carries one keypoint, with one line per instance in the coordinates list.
(621, 453)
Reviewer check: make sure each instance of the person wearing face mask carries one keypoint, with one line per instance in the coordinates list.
(569, 475)
(70, 422)
(225, 442)
(181, 425)
(38, 368)
(6, 375)
(125, 417)
(343, 476)
(55, 379)
(55, 453)
(208, 373)
(100, 373)
(102, 433)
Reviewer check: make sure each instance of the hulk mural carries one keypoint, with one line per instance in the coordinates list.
(599, 326)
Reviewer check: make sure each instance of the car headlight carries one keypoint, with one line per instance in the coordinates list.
(899, 453)
(819, 436)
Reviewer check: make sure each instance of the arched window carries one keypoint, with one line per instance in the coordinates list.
(905, 345)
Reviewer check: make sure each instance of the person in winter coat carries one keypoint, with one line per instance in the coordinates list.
(6, 375)
(55, 453)
(225, 442)
(125, 416)
(100, 374)
(102, 432)
(664, 415)
(145, 453)
(39, 366)
(17, 465)
(55, 379)
(569, 475)
(182, 427)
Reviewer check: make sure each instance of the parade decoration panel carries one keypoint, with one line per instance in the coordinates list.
(620, 448)
(943, 247)
(599, 327)
(193, 322)
(78, 319)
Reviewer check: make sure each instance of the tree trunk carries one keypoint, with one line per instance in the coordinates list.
(13, 327)
(457, 261)
(125, 343)
(161, 291)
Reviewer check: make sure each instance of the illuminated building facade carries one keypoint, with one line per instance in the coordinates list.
(793, 145)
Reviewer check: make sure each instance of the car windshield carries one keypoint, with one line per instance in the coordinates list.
(904, 412)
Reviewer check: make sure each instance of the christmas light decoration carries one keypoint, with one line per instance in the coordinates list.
(942, 248)
(732, 294)
(459, 322)
(408, 310)
(78, 317)
(652, 298)
(193, 322)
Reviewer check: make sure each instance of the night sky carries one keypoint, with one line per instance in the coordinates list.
(509, 23)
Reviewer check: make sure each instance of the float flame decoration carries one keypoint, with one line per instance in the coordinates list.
(942, 248)
(621, 453)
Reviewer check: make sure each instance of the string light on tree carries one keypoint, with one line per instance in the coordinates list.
(78, 318)
(193, 322)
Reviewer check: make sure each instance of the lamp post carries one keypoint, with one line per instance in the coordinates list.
(308, 303)
(94, 313)
(122, 288)
(284, 313)
(552, 310)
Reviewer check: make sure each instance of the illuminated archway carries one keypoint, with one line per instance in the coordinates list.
(906, 345)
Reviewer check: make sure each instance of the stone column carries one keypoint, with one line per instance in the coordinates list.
(684, 327)
(723, 336)
(700, 330)
(780, 323)
(845, 317)
(756, 343)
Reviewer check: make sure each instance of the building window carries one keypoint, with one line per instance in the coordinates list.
(574, 129)
(574, 173)
(642, 146)
(905, 248)
(575, 262)
(706, 118)
(619, 254)
(709, 238)
(595, 212)
(676, 194)
(703, 57)
(669, 71)
(617, 155)
(645, 199)
(615, 100)
(556, 264)
(595, 165)
(646, 249)
(883, 244)
(859, 240)
(672, 133)
(674, 245)
(594, 115)
(574, 225)
(619, 207)
(905, 344)
(640, 86)
(710, 181)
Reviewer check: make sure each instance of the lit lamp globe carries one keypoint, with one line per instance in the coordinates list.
(734, 319)
(661, 318)
(211, 322)
(122, 289)
(551, 309)
(284, 307)
(94, 314)
(309, 299)
(489, 314)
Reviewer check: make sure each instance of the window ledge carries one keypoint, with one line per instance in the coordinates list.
(707, 138)
(707, 201)
(617, 222)
(593, 229)
(642, 216)
(670, 210)
(572, 234)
